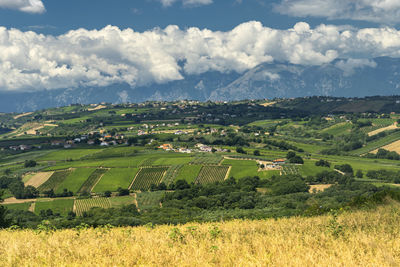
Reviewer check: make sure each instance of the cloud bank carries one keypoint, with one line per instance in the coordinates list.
(167, 3)
(28, 6)
(380, 11)
(31, 61)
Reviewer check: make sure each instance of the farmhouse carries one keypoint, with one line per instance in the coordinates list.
(280, 161)
(166, 147)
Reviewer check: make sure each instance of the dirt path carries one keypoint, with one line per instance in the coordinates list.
(227, 173)
(32, 207)
(13, 200)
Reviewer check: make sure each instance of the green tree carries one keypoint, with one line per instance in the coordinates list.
(256, 153)
(359, 174)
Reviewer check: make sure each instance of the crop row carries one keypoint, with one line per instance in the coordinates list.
(211, 174)
(206, 160)
(54, 180)
(84, 205)
(290, 169)
(92, 180)
(148, 176)
(171, 173)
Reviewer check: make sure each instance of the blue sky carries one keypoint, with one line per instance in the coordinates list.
(61, 16)
(53, 44)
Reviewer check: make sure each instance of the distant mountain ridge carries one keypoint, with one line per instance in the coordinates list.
(380, 76)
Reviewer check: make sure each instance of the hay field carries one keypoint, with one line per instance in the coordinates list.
(390, 127)
(38, 179)
(319, 187)
(362, 238)
(395, 146)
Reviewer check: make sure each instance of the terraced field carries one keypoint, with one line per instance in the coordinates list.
(211, 174)
(55, 180)
(84, 205)
(147, 177)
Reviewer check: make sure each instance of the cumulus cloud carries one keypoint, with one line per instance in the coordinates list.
(381, 11)
(79, 58)
(29, 6)
(167, 3)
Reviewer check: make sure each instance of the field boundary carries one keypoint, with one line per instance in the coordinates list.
(228, 172)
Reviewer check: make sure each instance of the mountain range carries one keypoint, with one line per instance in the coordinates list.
(380, 76)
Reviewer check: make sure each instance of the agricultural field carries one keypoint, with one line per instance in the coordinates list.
(241, 168)
(309, 168)
(75, 180)
(116, 178)
(18, 206)
(62, 206)
(38, 179)
(171, 161)
(148, 176)
(84, 205)
(68, 154)
(171, 173)
(339, 128)
(188, 173)
(117, 202)
(378, 143)
(92, 180)
(148, 200)
(206, 159)
(211, 174)
(290, 169)
(395, 146)
(55, 180)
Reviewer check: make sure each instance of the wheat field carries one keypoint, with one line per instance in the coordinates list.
(362, 238)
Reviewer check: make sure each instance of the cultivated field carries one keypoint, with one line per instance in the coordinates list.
(55, 180)
(147, 200)
(211, 174)
(363, 238)
(387, 128)
(38, 179)
(395, 146)
(188, 173)
(62, 206)
(75, 180)
(116, 178)
(92, 180)
(148, 176)
(83, 205)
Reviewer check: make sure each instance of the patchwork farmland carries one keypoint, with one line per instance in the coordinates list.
(148, 176)
(211, 174)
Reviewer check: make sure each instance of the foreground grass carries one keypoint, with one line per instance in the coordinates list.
(366, 238)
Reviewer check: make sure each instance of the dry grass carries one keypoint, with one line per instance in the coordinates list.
(390, 127)
(22, 115)
(38, 179)
(319, 187)
(267, 104)
(354, 239)
(395, 146)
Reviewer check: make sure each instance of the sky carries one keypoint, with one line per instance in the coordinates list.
(53, 44)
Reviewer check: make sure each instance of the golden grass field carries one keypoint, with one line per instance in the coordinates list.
(362, 238)
(390, 127)
(395, 146)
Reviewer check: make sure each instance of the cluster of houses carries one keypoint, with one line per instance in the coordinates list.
(20, 148)
(198, 148)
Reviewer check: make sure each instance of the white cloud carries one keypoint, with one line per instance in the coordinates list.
(31, 61)
(29, 6)
(350, 65)
(381, 11)
(186, 2)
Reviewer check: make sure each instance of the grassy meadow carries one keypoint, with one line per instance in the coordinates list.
(362, 238)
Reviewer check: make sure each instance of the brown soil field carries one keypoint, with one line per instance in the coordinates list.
(38, 179)
(395, 146)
